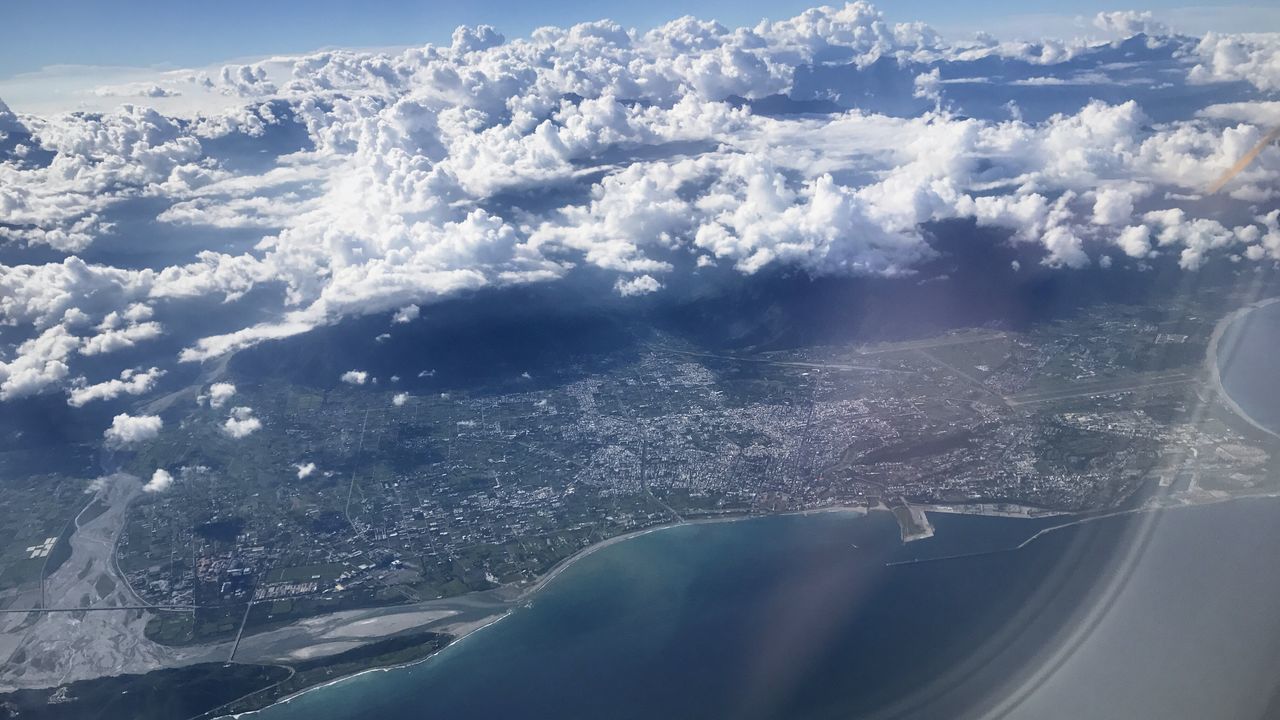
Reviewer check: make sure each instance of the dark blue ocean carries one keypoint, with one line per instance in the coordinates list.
(1161, 615)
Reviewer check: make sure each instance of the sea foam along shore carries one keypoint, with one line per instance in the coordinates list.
(465, 630)
(596, 547)
(1215, 369)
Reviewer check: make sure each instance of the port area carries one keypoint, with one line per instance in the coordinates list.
(913, 523)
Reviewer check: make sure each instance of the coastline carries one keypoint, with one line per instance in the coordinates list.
(528, 592)
(479, 625)
(1009, 510)
(524, 594)
(465, 629)
(1214, 368)
(564, 564)
(461, 631)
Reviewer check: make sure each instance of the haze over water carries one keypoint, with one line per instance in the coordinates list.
(1152, 615)
(1247, 357)
(783, 617)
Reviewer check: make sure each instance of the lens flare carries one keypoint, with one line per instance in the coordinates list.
(1245, 161)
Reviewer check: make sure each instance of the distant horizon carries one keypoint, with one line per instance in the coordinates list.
(829, 142)
(103, 49)
(315, 361)
(79, 33)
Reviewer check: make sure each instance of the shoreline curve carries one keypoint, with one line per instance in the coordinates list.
(527, 593)
(1215, 367)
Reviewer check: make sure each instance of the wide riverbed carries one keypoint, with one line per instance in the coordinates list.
(1151, 615)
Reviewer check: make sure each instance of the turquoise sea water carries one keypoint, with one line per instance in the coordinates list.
(784, 617)
(1149, 615)
(780, 617)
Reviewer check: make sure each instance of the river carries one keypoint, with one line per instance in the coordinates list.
(798, 617)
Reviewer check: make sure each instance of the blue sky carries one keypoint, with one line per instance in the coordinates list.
(163, 33)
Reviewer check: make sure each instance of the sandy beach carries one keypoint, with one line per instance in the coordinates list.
(564, 564)
(465, 615)
(1215, 371)
(290, 642)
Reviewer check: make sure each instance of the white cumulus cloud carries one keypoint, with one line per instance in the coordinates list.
(491, 161)
(408, 313)
(160, 481)
(355, 377)
(640, 285)
(241, 423)
(220, 393)
(130, 382)
(127, 430)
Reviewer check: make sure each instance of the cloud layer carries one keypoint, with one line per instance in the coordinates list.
(825, 143)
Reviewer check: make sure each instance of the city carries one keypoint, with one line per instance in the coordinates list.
(355, 498)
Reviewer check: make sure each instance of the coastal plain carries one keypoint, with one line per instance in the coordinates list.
(442, 513)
